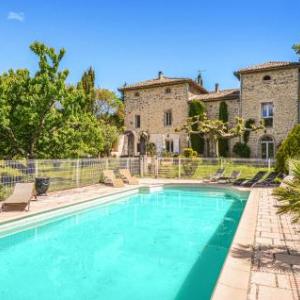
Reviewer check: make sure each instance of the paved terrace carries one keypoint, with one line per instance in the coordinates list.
(263, 263)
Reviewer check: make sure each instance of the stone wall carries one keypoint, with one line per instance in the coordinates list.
(151, 105)
(283, 91)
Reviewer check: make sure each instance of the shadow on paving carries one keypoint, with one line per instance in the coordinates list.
(200, 282)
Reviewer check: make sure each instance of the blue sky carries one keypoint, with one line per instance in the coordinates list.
(131, 40)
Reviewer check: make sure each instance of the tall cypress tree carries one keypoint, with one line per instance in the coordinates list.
(197, 108)
(88, 85)
(223, 116)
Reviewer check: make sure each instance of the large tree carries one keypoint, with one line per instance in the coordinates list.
(43, 117)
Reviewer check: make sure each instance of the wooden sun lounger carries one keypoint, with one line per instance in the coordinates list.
(20, 198)
(110, 178)
(219, 173)
(229, 179)
(127, 177)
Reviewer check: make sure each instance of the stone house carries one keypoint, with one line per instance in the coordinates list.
(156, 107)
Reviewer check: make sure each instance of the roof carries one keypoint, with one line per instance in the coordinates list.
(271, 65)
(229, 94)
(162, 81)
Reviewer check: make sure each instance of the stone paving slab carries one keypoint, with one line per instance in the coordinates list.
(275, 271)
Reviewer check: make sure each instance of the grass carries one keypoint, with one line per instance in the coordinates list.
(204, 171)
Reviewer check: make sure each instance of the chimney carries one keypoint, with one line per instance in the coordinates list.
(217, 87)
(160, 74)
(199, 79)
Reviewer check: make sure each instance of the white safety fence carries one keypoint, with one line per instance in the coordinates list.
(63, 173)
(199, 168)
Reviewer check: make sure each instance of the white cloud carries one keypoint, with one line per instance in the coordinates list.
(17, 16)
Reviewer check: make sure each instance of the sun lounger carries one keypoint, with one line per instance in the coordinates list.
(228, 179)
(268, 181)
(219, 173)
(240, 181)
(110, 178)
(258, 176)
(20, 198)
(127, 177)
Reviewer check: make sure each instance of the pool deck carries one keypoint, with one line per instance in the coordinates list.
(264, 259)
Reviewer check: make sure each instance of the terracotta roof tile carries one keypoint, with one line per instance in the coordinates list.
(220, 95)
(161, 81)
(268, 66)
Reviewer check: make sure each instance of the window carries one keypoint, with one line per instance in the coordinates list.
(267, 78)
(136, 94)
(168, 118)
(167, 90)
(267, 113)
(169, 146)
(267, 147)
(137, 121)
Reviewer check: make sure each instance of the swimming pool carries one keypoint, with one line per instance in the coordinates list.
(167, 244)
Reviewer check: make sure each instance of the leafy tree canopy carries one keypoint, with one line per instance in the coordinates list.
(43, 117)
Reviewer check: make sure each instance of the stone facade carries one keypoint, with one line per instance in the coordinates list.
(151, 103)
(282, 90)
(274, 85)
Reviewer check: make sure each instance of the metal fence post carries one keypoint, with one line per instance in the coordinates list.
(36, 168)
(179, 167)
(269, 164)
(77, 173)
(141, 160)
(156, 167)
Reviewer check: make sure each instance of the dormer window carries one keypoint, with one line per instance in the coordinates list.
(136, 94)
(167, 90)
(267, 78)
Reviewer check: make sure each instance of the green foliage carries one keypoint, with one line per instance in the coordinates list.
(189, 153)
(43, 117)
(197, 108)
(288, 195)
(213, 130)
(151, 149)
(289, 148)
(248, 124)
(88, 85)
(242, 150)
(223, 116)
(110, 108)
(296, 48)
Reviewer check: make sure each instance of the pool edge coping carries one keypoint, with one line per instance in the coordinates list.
(234, 279)
(39, 216)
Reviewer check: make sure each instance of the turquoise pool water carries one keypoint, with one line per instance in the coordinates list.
(168, 244)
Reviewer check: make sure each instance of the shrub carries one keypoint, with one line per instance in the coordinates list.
(189, 153)
(190, 166)
(242, 150)
(289, 195)
(151, 149)
(289, 148)
(223, 116)
(196, 108)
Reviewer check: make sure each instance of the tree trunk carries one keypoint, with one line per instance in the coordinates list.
(217, 148)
